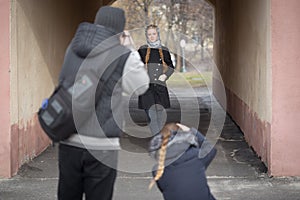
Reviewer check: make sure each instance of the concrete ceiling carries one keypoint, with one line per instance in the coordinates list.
(213, 2)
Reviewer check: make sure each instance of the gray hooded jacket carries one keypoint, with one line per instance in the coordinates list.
(97, 48)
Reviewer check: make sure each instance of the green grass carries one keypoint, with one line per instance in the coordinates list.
(194, 79)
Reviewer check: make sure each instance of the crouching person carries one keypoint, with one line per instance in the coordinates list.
(183, 156)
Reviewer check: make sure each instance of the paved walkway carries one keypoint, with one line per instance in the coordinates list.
(236, 173)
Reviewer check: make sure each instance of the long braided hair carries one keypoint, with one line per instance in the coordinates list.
(166, 133)
(165, 66)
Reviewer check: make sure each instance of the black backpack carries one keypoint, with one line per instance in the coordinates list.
(55, 114)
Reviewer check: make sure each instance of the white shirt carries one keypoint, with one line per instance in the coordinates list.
(135, 78)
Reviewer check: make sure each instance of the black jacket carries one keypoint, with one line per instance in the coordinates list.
(157, 92)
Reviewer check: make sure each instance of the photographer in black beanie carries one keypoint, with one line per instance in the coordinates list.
(88, 159)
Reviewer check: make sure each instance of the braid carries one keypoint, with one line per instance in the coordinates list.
(147, 57)
(161, 55)
(166, 133)
(161, 162)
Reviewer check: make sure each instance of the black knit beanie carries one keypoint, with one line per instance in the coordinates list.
(112, 18)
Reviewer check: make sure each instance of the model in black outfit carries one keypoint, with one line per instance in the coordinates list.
(160, 67)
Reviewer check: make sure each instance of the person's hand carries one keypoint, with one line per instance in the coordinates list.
(183, 127)
(162, 77)
(126, 40)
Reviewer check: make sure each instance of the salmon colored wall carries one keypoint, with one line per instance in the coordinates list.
(5, 89)
(242, 55)
(258, 57)
(242, 40)
(285, 137)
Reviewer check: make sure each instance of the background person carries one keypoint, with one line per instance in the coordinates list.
(159, 65)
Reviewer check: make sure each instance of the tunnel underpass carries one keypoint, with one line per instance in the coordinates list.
(254, 52)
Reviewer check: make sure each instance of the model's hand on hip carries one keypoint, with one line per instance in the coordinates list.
(162, 77)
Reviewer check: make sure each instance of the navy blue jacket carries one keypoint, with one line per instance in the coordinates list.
(185, 178)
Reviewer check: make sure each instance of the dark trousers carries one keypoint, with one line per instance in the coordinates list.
(81, 172)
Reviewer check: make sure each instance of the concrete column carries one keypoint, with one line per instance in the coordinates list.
(285, 137)
(5, 149)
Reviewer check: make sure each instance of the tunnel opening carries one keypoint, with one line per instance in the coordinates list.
(186, 29)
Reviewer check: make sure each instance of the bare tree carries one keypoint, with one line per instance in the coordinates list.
(137, 11)
(144, 5)
(191, 18)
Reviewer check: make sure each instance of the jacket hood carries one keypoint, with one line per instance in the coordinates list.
(178, 143)
(88, 37)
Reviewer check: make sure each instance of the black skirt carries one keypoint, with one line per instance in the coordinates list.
(156, 94)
